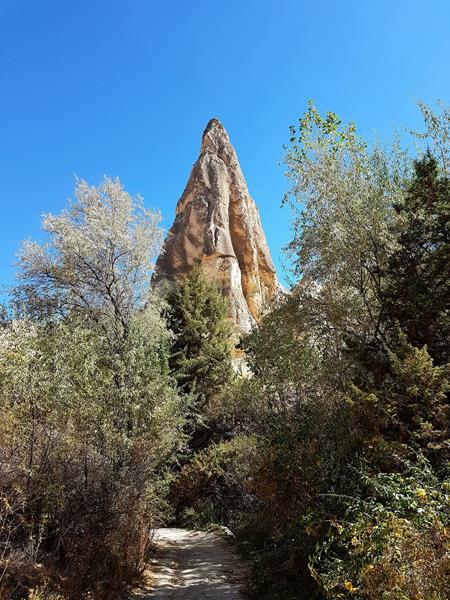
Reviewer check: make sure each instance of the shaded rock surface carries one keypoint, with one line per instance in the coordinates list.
(217, 225)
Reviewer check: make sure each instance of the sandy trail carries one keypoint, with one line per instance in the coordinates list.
(193, 565)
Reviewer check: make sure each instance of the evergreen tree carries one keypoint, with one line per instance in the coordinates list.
(201, 350)
(417, 294)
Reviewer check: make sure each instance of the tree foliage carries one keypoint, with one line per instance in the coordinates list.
(97, 262)
(91, 418)
(201, 349)
(417, 289)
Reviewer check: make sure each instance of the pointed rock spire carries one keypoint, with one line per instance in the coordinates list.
(217, 225)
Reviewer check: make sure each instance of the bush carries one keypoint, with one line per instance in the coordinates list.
(214, 487)
(85, 440)
(393, 540)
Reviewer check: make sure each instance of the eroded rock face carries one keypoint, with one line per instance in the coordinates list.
(217, 225)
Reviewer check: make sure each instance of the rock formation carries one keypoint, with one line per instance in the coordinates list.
(217, 225)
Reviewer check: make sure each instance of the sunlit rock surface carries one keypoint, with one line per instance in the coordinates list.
(217, 225)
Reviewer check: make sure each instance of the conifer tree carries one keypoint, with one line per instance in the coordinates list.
(417, 294)
(201, 350)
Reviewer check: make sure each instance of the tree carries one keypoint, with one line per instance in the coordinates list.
(201, 349)
(408, 407)
(91, 418)
(97, 262)
(342, 193)
(437, 133)
(416, 294)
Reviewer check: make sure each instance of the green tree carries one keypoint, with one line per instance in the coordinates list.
(417, 291)
(97, 261)
(201, 349)
(91, 417)
(408, 407)
(342, 193)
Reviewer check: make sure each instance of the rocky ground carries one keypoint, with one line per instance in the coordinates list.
(192, 565)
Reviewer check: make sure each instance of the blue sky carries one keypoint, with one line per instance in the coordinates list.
(125, 87)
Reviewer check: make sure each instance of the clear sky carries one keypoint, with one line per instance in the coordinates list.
(125, 87)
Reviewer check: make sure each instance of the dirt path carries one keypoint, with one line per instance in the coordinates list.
(193, 565)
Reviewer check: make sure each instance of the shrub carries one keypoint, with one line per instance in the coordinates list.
(393, 540)
(85, 438)
(214, 487)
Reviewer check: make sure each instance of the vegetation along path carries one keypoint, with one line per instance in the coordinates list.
(193, 565)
